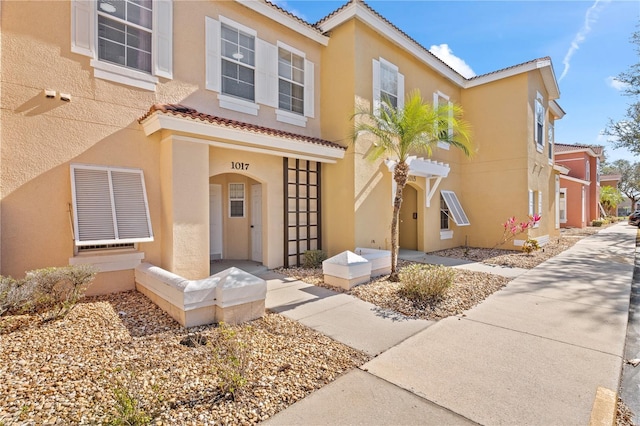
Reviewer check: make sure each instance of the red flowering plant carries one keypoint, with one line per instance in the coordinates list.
(513, 227)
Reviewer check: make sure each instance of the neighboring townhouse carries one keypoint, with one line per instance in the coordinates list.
(181, 132)
(579, 168)
(624, 208)
(450, 200)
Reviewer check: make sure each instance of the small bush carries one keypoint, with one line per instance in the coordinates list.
(50, 292)
(231, 360)
(596, 223)
(313, 258)
(530, 245)
(420, 282)
(129, 409)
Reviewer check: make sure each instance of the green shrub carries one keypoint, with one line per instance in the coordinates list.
(313, 258)
(420, 282)
(530, 245)
(231, 360)
(129, 411)
(49, 292)
(596, 223)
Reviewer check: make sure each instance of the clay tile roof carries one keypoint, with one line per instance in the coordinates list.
(546, 58)
(186, 112)
(561, 147)
(297, 18)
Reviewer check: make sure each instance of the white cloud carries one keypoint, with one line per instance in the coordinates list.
(616, 84)
(590, 18)
(446, 55)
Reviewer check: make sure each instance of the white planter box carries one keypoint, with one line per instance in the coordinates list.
(380, 260)
(346, 270)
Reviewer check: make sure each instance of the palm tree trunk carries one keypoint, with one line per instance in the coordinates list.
(400, 175)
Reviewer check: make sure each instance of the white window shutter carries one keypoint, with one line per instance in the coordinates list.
(400, 90)
(531, 203)
(130, 205)
(163, 38)
(83, 18)
(92, 213)
(376, 85)
(109, 206)
(309, 89)
(212, 42)
(540, 202)
(266, 73)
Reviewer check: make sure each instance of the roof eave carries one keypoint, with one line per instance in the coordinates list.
(288, 21)
(243, 140)
(365, 15)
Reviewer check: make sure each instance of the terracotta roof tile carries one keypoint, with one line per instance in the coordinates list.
(561, 147)
(546, 58)
(297, 18)
(187, 112)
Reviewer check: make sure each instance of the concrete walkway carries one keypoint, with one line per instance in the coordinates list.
(532, 354)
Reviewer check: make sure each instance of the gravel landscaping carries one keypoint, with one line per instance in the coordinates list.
(68, 371)
(121, 351)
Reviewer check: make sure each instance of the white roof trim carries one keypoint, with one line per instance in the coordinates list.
(242, 140)
(285, 19)
(560, 168)
(590, 152)
(423, 167)
(556, 110)
(364, 14)
(572, 179)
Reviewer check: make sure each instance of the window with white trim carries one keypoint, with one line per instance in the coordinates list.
(531, 203)
(236, 200)
(444, 214)
(538, 131)
(563, 205)
(388, 84)
(238, 62)
(550, 139)
(129, 41)
(291, 81)
(598, 170)
(440, 100)
(587, 168)
(110, 208)
(455, 208)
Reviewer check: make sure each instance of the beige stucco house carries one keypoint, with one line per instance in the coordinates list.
(180, 132)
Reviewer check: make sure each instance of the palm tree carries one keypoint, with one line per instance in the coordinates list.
(401, 132)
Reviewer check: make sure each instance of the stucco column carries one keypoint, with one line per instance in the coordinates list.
(185, 207)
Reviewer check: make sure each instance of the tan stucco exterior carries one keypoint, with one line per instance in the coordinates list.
(182, 154)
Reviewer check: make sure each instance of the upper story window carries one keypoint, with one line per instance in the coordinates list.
(129, 41)
(550, 138)
(388, 84)
(587, 167)
(291, 81)
(538, 131)
(238, 63)
(442, 100)
(247, 72)
(598, 169)
(124, 33)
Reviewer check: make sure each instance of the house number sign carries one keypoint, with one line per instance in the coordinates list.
(239, 166)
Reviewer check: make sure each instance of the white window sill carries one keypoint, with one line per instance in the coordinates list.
(108, 262)
(446, 234)
(539, 148)
(122, 75)
(291, 118)
(240, 105)
(443, 145)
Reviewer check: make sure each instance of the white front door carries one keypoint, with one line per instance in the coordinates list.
(215, 221)
(256, 222)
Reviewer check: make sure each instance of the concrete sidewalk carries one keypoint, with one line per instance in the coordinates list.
(533, 353)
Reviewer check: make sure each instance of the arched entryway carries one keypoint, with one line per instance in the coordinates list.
(235, 217)
(409, 219)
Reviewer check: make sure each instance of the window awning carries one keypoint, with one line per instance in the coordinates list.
(455, 209)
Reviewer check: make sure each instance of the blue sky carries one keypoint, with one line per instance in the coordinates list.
(588, 42)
